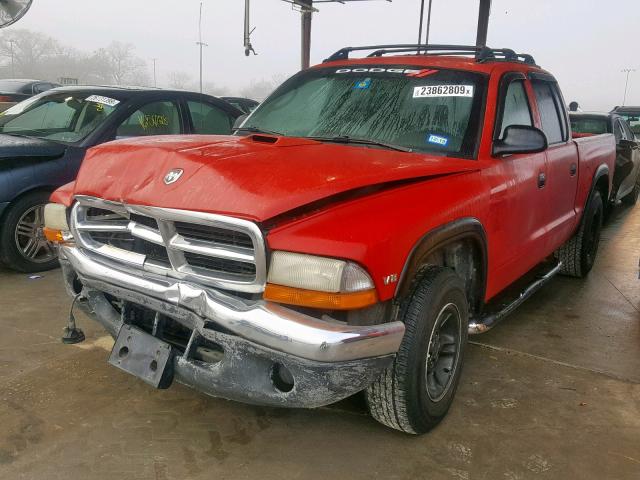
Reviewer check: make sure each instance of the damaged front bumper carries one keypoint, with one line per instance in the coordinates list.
(327, 360)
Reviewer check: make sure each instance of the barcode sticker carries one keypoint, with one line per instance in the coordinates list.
(443, 91)
(110, 102)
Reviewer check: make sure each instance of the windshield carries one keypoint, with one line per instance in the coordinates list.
(436, 111)
(633, 120)
(589, 125)
(64, 117)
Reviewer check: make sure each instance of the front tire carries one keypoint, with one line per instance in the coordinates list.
(23, 246)
(414, 394)
(579, 253)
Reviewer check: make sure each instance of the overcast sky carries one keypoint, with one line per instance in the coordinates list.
(585, 43)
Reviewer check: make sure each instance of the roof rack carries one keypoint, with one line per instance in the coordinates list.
(481, 54)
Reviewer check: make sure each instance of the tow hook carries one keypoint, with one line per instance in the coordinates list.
(72, 334)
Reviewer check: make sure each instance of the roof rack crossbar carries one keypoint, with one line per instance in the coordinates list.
(481, 54)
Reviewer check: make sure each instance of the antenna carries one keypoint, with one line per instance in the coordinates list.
(13, 10)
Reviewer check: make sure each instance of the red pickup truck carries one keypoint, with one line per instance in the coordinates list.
(363, 220)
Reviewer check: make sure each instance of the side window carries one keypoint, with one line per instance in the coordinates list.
(208, 119)
(617, 131)
(516, 107)
(157, 118)
(551, 115)
(627, 130)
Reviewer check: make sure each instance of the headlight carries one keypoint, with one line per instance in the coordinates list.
(318, 282)
(56, 227)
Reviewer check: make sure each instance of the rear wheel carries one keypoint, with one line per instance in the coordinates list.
(23, 246)
(414, 394)
(579, 253)
(631, 198)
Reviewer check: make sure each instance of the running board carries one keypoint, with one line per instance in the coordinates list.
(488, 321)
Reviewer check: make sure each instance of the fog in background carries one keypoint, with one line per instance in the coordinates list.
(584, 43)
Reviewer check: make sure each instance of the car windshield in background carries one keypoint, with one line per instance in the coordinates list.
(589, 125)
(428, 110)
(633, 120)
(64, 117)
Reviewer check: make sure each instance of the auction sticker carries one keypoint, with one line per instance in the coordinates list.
(430, 91)
(110, 102)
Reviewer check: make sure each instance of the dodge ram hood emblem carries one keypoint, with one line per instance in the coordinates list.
(173, 175)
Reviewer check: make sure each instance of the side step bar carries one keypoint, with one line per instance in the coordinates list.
(488, 321)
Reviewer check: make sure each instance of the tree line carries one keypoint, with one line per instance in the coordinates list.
(29, 54)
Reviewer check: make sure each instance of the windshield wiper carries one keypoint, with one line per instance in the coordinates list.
(361, 141)
(257, 130)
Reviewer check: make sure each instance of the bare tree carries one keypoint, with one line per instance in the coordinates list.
(27, 52)
(179, 80)
(118, 64)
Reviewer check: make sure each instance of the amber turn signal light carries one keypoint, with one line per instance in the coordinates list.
(315, 299)
(54, 236)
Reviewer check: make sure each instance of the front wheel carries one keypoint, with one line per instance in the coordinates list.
(23, 246)
(414, 394)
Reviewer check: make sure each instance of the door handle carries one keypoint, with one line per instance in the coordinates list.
(542, 179)
(573, 169)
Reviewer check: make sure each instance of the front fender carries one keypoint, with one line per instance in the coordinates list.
(380, 231)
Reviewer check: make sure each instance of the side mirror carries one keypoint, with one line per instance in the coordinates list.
(627, 144)
(239, 121)
(520, 139)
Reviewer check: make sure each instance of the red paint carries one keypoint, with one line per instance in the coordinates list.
(261, 177)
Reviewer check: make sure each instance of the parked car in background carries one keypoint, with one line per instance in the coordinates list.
(13, 91)
(632, 116)
(369, 214)
(43, 141)
(626, 177)
(246, 105)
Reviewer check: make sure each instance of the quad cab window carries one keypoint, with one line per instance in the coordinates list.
(551, 109)
(430, 110)
(63, 117)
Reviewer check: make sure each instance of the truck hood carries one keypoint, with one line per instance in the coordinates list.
(12, 146)
(256, 177)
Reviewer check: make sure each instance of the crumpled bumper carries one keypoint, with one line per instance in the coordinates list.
(327, 360)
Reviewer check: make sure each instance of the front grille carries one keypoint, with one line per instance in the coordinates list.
(220, 251)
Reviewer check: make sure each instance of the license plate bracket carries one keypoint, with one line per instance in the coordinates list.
(144, 356)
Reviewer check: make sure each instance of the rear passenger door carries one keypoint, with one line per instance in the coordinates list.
(561, 182)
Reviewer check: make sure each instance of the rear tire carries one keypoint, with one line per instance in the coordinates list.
(579, 253)
(631, 198)
(22, 243)
(414, 394)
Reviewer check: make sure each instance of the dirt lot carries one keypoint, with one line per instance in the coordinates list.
(553, 392)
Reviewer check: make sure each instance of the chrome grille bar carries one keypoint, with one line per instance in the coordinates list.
(113, 231)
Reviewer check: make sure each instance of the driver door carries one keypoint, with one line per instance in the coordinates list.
(518, 202)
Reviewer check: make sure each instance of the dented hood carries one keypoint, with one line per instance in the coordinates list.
(255, 177)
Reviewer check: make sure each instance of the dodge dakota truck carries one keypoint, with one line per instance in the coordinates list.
(362, 221)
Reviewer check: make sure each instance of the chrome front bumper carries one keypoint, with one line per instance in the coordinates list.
(329, 360)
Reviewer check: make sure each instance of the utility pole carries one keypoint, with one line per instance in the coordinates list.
(626, 83)
(201, 44)
(426, 39)
(13, 69)
(483, 23)
(155, 84)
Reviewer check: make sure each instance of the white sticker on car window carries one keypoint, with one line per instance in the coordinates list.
(443, 91)
(110, 102)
